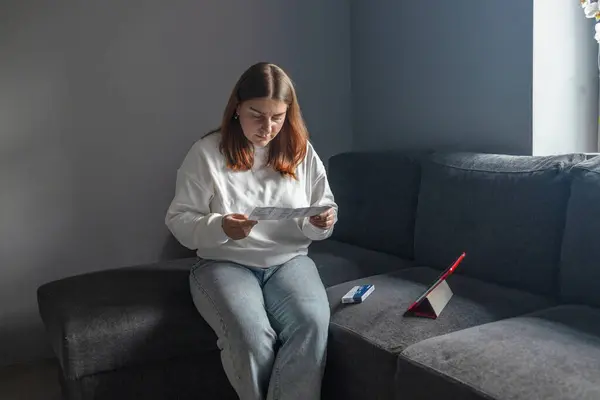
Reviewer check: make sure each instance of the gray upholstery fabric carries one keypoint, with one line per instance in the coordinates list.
(135, 333)
(366, 338)
(580, 260)
(506, 212)
(130, 316)
(181, 379)
(340, 262)
(365, 186)
(123, 317)
(553, 354)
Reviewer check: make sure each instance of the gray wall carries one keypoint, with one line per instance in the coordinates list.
(443, 74)
(100, 101)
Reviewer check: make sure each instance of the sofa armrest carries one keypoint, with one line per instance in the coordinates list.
(109, 319)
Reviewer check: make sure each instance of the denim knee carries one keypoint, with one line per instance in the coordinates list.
(311, 318)
(318, 319)
(253, 337)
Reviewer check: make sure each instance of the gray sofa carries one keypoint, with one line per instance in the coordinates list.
(523, 322)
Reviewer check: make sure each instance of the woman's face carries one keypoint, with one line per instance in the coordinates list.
(262, 119)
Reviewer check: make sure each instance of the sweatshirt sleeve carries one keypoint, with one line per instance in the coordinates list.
(189, 217)
(320, 195)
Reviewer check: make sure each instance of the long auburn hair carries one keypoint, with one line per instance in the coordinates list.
(288, 148)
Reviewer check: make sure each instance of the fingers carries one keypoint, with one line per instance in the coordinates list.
(325, 225)
(238, 226)
(238, 217)
(247, 224)
(324, 220)
(241, 219)
(328, 215)
(324, 214)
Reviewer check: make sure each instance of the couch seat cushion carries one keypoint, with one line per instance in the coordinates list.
(111, 319)
(366, 338)
(552, 354)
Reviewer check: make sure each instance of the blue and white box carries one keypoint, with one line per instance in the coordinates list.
(358, 294)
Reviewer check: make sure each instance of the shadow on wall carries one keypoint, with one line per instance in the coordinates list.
(172, 250)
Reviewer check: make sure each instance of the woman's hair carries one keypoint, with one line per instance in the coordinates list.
(288, 148)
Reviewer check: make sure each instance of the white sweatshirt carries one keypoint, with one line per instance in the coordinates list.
(206, 190)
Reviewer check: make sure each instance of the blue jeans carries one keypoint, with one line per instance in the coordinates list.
(271, 325)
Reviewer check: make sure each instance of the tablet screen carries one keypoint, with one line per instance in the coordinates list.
(439, 280)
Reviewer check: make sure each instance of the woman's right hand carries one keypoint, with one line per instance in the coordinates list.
(237, 226)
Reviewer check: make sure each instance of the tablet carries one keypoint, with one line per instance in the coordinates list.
(444, 275)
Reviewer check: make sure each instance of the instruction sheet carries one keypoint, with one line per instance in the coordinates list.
(279, 213)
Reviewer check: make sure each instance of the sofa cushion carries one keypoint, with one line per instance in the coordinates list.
(506, 212)
(377, 197)
(552, 354)
(366, 338)
(106, 320)
(341, 262)
(580, 260)
(181, 378)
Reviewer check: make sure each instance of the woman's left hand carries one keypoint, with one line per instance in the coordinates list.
(324, 220)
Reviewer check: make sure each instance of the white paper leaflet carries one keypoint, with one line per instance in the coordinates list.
(278, 213)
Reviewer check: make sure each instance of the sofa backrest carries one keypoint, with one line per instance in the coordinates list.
(580, 258)
(506, 212)
(377, 197)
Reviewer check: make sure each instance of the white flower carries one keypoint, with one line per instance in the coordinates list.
(591, 10)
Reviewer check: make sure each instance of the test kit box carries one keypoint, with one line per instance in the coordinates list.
(358, 294)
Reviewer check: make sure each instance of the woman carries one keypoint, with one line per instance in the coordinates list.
(255, 285)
